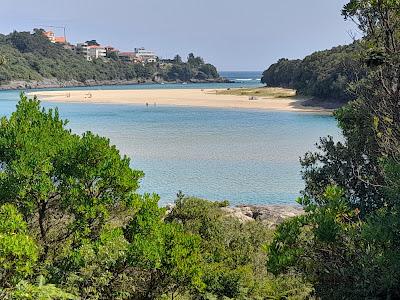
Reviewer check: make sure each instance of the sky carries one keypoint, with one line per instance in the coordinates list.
(234, 35)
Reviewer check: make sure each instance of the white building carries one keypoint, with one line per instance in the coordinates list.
(97, 52)
(91, 52)
(146, 55)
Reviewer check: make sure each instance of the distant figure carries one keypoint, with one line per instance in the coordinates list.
(147, 104)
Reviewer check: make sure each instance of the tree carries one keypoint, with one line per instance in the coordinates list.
(194, 62)
(282, 74)
(68, 188)
(92, 43)
(209, 70)
(169, 255)
(178, 59)
(347, 243)
(232, 252)
(113, 55)
(179, 72)
(324, 74)
(352, 164)
(41, 290)
(380, 21)
(18, 251)
(97, 269)
(369, 124)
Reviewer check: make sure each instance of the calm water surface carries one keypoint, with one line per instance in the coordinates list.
(243, 156)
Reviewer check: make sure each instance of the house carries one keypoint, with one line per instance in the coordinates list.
(145, 56)
(91, 52)
(83, 49)
(128, 57)
(110, 50)
(53, 38)
(70, 47)
(50, 36)
(60, 40)
(97, 52)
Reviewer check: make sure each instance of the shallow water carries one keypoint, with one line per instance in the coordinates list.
(243, 156)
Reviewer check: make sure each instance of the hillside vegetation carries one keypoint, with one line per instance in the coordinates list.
(28, 57)
(325, 74)
(347, 244)
(72, 225)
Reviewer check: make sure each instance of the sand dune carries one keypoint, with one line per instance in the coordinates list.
(176, 97)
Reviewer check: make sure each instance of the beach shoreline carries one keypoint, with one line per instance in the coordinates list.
(53, 83)
(210, 98)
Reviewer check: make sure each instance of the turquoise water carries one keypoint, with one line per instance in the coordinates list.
(243, 156)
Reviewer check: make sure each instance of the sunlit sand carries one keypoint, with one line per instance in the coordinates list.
(178, 97)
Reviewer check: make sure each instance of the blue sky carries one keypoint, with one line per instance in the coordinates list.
(232, 34)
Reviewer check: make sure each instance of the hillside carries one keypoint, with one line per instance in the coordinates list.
(325, 75)
(31, 60)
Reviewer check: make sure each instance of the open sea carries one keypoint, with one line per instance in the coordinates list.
(244, 156)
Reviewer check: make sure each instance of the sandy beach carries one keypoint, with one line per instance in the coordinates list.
(177, 97)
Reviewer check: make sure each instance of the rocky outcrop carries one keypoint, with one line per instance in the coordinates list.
(270, 215)
(55, 83)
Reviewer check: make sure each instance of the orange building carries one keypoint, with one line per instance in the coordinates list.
(50, 35)
(60, 40)
(54, 39)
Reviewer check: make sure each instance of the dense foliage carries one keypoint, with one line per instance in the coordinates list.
(348, 243)
(26, 56)
(73, 227)
(324, 74)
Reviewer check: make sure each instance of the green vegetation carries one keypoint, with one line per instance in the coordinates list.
(347, 245)
(73, 227)
(26, 56)
(324, 74)
(260, 92)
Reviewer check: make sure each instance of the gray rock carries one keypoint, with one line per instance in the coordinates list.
(55, 83)
(270, 215)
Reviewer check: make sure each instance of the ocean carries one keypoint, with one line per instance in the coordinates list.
(244, 156)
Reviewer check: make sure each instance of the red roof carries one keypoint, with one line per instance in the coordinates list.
(127, 53)
(48, 33)
(95, 47)
(60, 39)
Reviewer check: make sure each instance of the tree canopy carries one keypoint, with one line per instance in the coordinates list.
(347, 244)
(325, 74)
(32, 57)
